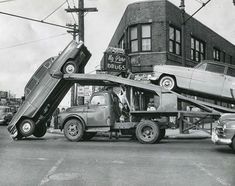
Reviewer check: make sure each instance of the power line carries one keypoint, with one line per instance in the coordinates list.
(6, 1)
(54, 11)
(71, 12)
(203, 5)
(35, 41)
(35, 20)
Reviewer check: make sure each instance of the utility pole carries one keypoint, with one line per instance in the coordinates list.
(75, 100)
(182, 8)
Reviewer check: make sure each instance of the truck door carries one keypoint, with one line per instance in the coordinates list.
(210, 80)
(98, 111)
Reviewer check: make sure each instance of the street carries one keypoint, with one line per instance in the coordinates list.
(53, 160)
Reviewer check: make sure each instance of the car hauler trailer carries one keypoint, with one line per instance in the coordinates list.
(148, 125)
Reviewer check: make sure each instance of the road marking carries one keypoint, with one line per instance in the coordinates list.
(218, 179)
(51, 171)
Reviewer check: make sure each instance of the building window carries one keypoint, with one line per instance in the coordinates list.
(216, 54)
(223, 56)
(197, 49)
(121, 43)
(174, 40)
(231, 59)
(146, 37)
(134, 39)
(140, 38)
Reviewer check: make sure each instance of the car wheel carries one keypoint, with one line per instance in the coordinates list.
(167, 82)
(40, 130)
(73, 130)
(88, 135)
(147, 131)
(26, 127)
(69, 67)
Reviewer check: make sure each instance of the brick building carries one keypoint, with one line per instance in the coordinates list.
(150, 32)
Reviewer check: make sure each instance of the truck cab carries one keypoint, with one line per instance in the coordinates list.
(100, 114)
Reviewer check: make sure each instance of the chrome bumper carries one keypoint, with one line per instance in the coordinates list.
(219, 141)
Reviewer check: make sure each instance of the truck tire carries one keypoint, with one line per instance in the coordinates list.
(147, 131)
(162, 134)
(73, 130)
(88, 135)
(26, 127)
(167, 82)
(40, 130)
(233, 144)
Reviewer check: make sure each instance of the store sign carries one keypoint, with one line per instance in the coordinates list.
(115, 60)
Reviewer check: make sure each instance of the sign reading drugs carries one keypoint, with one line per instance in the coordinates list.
(115, 60)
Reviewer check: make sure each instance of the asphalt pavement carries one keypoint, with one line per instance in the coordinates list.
(53, 160)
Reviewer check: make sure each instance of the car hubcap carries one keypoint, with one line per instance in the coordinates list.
(26, 127)
(168, 84)
(73, 130)
(70, 68)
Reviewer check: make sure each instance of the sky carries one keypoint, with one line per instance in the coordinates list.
(24, 45)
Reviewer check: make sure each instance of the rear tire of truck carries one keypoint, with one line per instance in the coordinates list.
(26, 127)
(40, 130)
(167, 82)
(73, 130)
(162, 134)
(233, 144)
(69, 67)
(88, 135)
(147, 131)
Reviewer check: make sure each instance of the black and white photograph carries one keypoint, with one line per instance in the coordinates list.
(117, 93)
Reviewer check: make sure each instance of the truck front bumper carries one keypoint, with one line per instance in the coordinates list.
(218, 140)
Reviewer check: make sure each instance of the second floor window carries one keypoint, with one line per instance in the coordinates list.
(140, 38)
(174, 40)
(197, 49)
(216, 54)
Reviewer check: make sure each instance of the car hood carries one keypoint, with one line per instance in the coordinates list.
(76, 109)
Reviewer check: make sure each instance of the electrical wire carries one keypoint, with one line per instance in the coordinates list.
(54, 11)
(35, 20)
(71, 12)
(34, 41)
(203, 5)
(6, 1)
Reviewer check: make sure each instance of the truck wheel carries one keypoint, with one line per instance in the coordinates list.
(147, 132)
(69, 67)
(73, 130)
(40, 130)
(26, 127)
(88, 135)
(233, 144)
(167, 82)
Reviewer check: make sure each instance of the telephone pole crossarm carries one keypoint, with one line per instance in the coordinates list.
(81, 10)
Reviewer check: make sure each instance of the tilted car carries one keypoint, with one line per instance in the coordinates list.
(46, 89)
(208, 77)
(224, 133)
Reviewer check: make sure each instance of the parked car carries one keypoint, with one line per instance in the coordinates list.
(46, 89)
(5, 114)
(208, 77)
(224, 133)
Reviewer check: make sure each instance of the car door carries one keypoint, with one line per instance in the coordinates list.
(229, 83)
(98, 111)
(209, 79)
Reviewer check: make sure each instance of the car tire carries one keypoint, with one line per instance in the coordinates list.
(40, 130)
(147, 132)
(69, 67)
(167, 82)
(26, 127)
(88, 135)
(73, 130)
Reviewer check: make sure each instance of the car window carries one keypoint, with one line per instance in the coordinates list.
(98, 100)
(231, 72)
(41, 72)
(215, 68)
(201, 66)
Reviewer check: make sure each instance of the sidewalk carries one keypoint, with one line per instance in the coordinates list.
(170, 134)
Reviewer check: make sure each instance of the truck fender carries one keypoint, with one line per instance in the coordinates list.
(74, 116)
